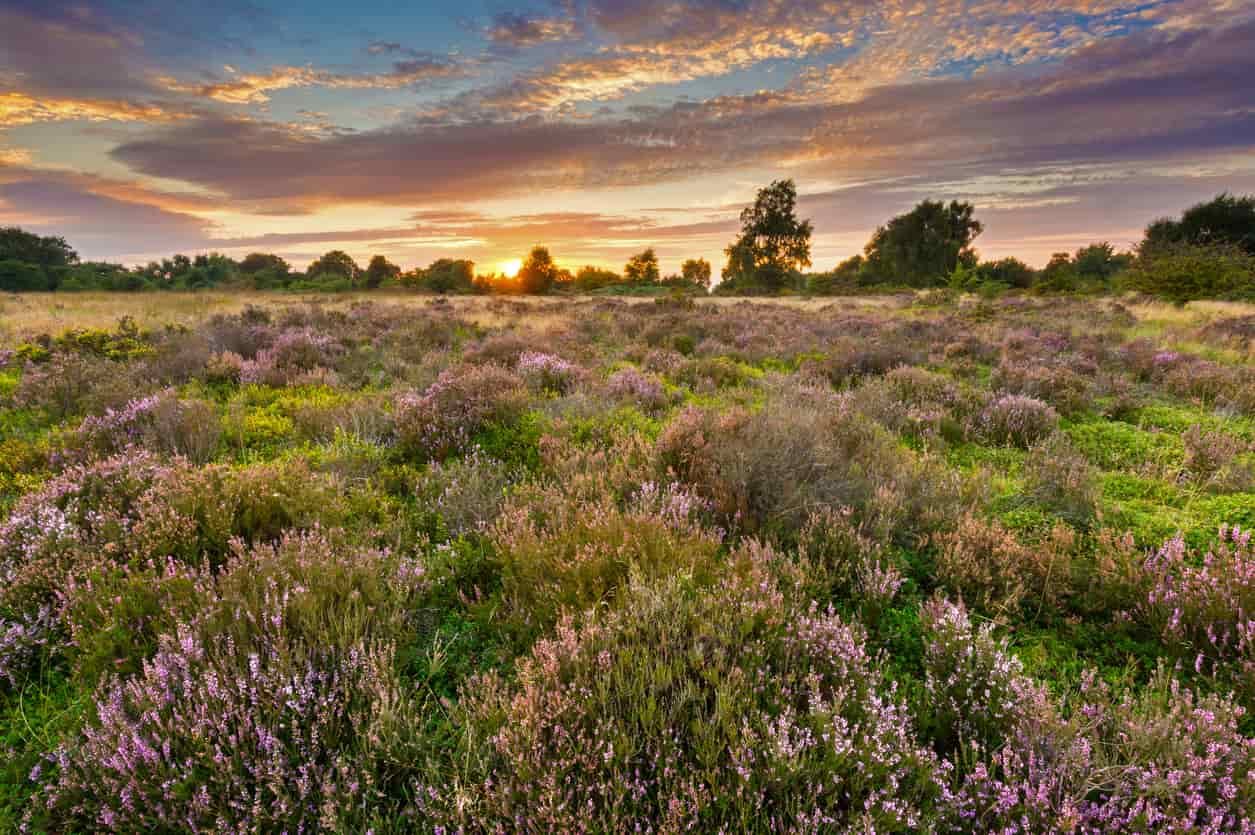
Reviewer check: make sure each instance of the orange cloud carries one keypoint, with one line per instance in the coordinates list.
(21, 109)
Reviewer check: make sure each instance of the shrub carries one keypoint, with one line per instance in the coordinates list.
(547, 372)
(1064, 389)
(1017, 420)
(644, 390)
(161, 423)
(975, 692)
(560, 553)
(991, 570)
(721, 710)
(462, 401)
(1183, 272)
(1167, 761)
(290, 719)
(1209, 454)
(1204, 609)
(1060, 479)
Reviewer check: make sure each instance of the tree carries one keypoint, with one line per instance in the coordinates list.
(335, 263)
(444, 276)
(773, 244)
(696, 271)
(21, 276)
(1099, 262)
(381, 270)
(594, 278)
(28, 248)
(1059, 274)
(924, 246)
(642, 268)
(1223, 220)
(1184, 272)
(842, 279)
(256, 262)
(1009, 271)
(538, 273)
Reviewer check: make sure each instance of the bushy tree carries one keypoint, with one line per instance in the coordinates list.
(924, 246)
(1059, 274)
(28, 248)
(1184, 272)
(1223, 220)
(1100, 262)
(642, 268)
(256, 262)
(594, 278)
(538, 273)
(842, 279)
(773, 244)
(336, 263)
(22, 277)
(696, 271)
(445, 275)
(381, 271)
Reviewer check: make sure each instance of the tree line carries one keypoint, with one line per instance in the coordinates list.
(1208, 252)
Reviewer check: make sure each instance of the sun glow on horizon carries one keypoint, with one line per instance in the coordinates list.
(511, 268)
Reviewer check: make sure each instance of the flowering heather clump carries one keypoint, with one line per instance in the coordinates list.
(1208, 454)
(468, 492)
(559, 552)
(21, 641)
(1167, 761)
(975, 692)
(682, 710)
(462, 401)
(1017, 420)
(296, 356)
(161, 422)
(1205, 609)
(1064, 389)
(645, 390)
(259, 715)
(547, 371)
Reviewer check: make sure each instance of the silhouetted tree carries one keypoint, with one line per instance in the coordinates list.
(334, 263)
(380, 271)
(696, 271)
(773, 243)
(924, 246)
(594, 278)
(642, 268)
(28, 248)
(1223, 220)
(256, 262)
(538, 273)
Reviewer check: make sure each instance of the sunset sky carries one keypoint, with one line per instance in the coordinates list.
(476, 129)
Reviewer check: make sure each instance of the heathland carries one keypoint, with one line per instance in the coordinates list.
(941, 562)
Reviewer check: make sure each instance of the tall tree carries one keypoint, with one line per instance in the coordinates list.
(381, 271)
(538, 272)
(335, 263)
(1223, 220)
(924, 246)
(256, 262)
(642, 268)
(28, 248)
(773, 243)
(696, 271)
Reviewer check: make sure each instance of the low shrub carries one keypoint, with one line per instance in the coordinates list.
(1017, 420)
(742, 714)
(444, 418)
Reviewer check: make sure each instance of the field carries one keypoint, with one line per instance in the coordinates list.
(410, 564)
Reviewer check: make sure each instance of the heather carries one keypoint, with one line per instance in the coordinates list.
(910, 564)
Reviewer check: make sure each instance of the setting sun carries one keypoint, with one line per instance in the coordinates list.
(511, 268)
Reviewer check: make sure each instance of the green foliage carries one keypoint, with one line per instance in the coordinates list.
(1224, 221)
(380, 271)
(1184, 272)
(773, 243)
(443, 276)
(335, 264)
(27, 248)
(924, 246)
(22, 277)
(696, 271)
(642, 268)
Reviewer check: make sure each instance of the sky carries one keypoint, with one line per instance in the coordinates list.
(479, 128)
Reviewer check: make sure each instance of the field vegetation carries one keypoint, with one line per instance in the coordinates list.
(929, 562)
